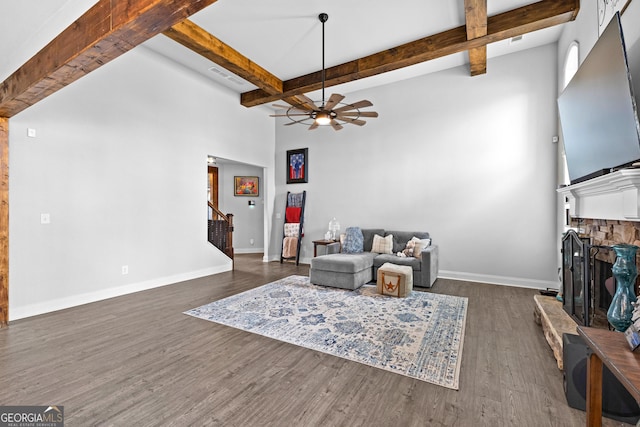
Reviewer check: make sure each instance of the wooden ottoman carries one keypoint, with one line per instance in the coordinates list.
(396, 280)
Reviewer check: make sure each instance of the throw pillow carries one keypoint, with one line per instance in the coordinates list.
(353, 241)
(382, 245)
(408, 251)
(420, 245)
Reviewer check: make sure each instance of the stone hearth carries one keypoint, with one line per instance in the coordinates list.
(549, 314)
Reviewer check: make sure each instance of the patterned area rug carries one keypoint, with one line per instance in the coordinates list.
(419, 336)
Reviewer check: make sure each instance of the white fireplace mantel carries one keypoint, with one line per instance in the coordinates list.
(612, 196)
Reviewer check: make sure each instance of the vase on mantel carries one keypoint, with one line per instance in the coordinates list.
(625, 272)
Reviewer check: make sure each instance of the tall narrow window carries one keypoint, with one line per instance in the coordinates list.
(571, 63)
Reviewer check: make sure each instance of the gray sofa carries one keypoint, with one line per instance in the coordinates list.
(350, 271)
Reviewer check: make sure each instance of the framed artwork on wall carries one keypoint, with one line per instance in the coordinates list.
(246, 186)
(297, 164)
(606, 10)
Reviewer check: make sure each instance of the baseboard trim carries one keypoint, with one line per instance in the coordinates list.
(499, 280)
(248, 251)
(16, 313)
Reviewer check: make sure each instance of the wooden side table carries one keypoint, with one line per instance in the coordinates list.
(612, 349)
(323, 242)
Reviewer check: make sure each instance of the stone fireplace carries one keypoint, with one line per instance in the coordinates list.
(605, 211)
(599, 235)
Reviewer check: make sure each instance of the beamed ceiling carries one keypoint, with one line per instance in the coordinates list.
(268, 51)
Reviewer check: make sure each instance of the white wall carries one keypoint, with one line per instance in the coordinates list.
(469, 159)
(119, 163)
(248, 221)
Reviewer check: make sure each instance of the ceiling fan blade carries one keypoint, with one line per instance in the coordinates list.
(288, 107)
(334, 99)
(305, 103)
(336, 125)
(358, 114)
(353, 121)
(313, 126)
(355, 105)
(289, 115)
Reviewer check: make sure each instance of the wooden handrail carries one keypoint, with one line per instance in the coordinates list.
(218, 212)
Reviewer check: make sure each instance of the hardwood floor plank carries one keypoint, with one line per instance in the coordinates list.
(137, 360)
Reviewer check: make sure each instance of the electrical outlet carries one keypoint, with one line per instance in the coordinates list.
(45, 218)
(125, 269)
(251, 242)
(31, 133)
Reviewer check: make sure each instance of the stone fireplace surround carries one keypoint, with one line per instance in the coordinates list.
(602, 232)
(608, 232)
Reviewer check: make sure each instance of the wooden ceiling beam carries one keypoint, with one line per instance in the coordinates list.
(533, 17)
(203, 43)
(476, 24)
(106, 31)
(197, 39)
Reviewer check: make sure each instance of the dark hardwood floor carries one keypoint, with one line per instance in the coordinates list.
(137, 360)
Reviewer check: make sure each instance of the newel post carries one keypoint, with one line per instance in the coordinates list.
(229, 249)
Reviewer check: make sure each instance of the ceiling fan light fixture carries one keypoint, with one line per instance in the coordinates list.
(323, 118)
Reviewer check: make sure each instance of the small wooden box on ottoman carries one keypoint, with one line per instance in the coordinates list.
(396, 280)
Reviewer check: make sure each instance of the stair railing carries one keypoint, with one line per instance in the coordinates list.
(227, 231)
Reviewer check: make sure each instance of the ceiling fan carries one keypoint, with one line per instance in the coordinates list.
(333, 112)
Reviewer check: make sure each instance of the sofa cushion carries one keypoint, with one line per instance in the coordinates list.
(368, 234)
(414, 263)
(353, 241)
(382, 245)
(343, 263)
(400, 238)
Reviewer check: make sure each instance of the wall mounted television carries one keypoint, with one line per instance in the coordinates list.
(598, 111)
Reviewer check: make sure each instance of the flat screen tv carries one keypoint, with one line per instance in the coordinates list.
(598, 112)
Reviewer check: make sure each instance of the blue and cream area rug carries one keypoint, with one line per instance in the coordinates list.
(419, 336)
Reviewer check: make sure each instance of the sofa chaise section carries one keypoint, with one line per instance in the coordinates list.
(346, 271)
